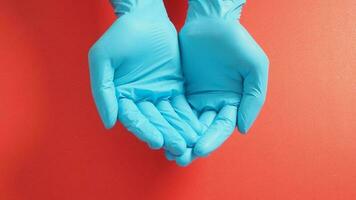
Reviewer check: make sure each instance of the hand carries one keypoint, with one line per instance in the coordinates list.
(225, 70)
(136, 77)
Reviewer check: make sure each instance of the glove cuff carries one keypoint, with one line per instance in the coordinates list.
(226, 9)
(122, 7)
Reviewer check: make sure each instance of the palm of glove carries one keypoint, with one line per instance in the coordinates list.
(136, 77)
(223, 66)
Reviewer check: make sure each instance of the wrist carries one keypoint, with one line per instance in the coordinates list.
(122, 7)
(225, 9)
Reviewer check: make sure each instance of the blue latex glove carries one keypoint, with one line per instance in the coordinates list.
(136, 77)
(226, 72)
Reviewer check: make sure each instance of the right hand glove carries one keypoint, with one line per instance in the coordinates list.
(136, 76)
(225, 71)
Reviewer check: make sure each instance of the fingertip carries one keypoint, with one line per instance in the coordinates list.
(109, 120)
(243, 131)
(201, 150)
(182, 164)
(108, 125)
(242, 125)
(169, 156)
(156, 143)
(177, 148)
(186, 158)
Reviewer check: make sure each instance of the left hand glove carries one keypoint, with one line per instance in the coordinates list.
(136, 77)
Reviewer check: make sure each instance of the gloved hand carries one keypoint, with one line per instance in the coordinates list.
(225, 70)
(136, 77)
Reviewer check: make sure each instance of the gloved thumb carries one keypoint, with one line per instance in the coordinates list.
(254, 95)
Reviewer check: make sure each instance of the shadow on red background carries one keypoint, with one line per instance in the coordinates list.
(53, 145)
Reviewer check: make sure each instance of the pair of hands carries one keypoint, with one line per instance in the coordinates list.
(184, 95)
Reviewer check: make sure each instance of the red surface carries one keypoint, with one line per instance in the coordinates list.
(53, 145)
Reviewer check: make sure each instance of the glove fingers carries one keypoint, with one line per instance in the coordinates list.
(103, 88)
(206, 119)
(168, 112)
(221, 128)
(173, 141)
(184, 111)
(138, 124)
(188, 157)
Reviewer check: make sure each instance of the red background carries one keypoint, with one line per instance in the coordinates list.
(53, 145)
